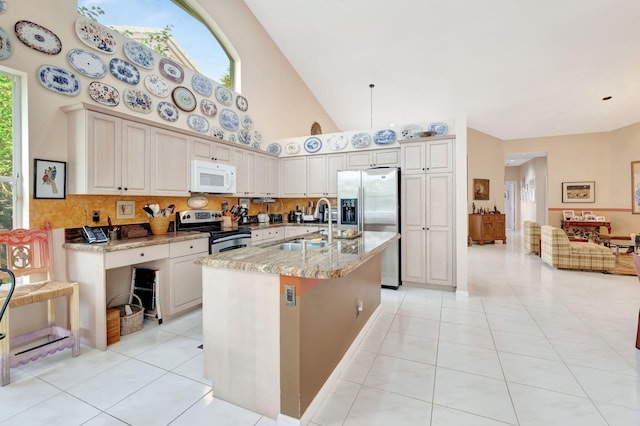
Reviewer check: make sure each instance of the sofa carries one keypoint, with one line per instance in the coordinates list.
(532, 237)
(557, 251)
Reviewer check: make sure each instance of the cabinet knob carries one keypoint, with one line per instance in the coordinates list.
(126, 189)
(141, 254)
(190, 247)
(119, 188)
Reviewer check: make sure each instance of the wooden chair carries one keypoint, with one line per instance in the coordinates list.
(27, 254)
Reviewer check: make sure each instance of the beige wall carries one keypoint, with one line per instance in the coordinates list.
(486, 161)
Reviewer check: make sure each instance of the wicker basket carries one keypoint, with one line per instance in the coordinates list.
(132, 322)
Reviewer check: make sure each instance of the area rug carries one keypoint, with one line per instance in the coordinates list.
(624, 266)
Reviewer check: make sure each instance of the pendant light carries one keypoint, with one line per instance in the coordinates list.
(371, 86)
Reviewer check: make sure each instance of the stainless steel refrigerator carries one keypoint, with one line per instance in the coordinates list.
(369, 200)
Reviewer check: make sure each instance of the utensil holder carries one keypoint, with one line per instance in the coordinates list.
(159, 225)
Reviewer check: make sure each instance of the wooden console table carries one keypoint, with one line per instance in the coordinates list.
(487, 227)
(589, 229)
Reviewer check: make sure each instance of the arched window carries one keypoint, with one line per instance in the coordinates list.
(177, 29)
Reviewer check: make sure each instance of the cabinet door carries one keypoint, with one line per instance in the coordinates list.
(385, 158)
(293, 177)
(261, 175)
(317, 175)
(202, 149)
(335, 162)
(358, 160)
(440, 156)
(170, 163)
(413, 228)
(136, 158)
(237, 157)
(104, 154)
(439, 218)
(250, 173)
(273, 176)
(413, 158)
(185, 286)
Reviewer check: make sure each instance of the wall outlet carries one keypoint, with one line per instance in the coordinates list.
(95, 215)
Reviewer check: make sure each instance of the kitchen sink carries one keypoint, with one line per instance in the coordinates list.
(296, 245)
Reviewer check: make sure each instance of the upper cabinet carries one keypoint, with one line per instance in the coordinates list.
(433, 156)
(202, 149)
(373, 158)
(293, 177)
(256, 174)
(322, 173)
(170, 163)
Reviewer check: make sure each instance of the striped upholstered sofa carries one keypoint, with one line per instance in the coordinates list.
(558, 251)
(531, 237)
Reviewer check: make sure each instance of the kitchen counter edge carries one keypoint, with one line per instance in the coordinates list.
(151, 240)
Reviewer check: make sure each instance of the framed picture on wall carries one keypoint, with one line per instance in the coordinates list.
(635, 187)
(567, 214)
(579, 192)
(480, 189)
(50, 180)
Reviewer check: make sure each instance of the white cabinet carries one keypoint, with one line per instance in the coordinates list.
(373, 158)
(170, 163)
(293, 177)
(185, 277)
(322, 174)
(259, 236)
(433, 156)
(256, 174)
(266, 175)
(293, 231)
(202, 149)
(412, 242)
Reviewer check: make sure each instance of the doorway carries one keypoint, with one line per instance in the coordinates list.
(509, 204)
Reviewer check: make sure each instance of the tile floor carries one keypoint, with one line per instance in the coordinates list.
(530, 346)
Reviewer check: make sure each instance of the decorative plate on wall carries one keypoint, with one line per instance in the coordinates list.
(360, 140)
(247, 122)
(58, 80)
(274, 148)
(217, 132)
(171, 70)
(384, 137)
(104, 94)
(38, 37)
(257, 136)
(312, 145)
(229, 120)
(198, 123)
(124, 71)
(224, 95)
(242, 103)
(184, 99)
(409, 132)
(198, 202)
(139, 54)
(168, 111)
(138, 100)
(232, 137)
(244, 136)
(337, 142)
(201, 85)
(87, 63)
(440, 128)
(96, 36)
(208, 108)
(156, 85)
(292, 148)
(6, 47)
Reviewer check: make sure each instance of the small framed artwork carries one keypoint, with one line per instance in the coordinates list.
(589, 217)
(50, 179)
(125, 209)
(567, 214)
(601, 219)
(587, 213)
(480, 189)
(635, 187)
(579, 192)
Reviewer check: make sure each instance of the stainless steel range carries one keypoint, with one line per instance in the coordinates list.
(221, 239)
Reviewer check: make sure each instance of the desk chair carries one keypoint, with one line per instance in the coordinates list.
(25, 253)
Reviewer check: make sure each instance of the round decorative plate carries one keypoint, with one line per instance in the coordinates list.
(104, 94)
(384, 137)
(38, 37)
(124, 71)
(138, 100)
(247, 122)
(244, 136)
(198, 123)
(217, 132)
(229, 120)
(292, 148)
(6, 47)
(201, 85)
(337, 142)
(242, 103)
(257, 136)
(168, 111)
(156, 85)
(224, 95)
(312, 144)
(274, 148)
(409, 132)
(58, 80)
(360, 140)
(197, 202)
(171, 70)
(440, 128)
(87, 63)
(231, 137)
(95, 35)
(184, 99)
(255, 145)
(208, 108)
(139, 54)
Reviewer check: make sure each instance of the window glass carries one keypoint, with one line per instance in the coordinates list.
(7, 156)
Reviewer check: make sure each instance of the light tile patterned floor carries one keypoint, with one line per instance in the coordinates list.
(530, 346)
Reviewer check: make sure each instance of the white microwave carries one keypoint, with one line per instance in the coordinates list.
(212, 178)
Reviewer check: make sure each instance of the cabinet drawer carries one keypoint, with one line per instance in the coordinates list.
(117, 259)
(184, 248)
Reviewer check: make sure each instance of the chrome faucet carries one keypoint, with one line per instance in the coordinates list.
(330, 238)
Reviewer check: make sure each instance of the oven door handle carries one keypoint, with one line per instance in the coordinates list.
(230, 238)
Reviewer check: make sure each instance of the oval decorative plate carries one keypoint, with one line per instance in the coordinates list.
(384, 137)
(201, 85)
(208, 108)
(361, 140)
(184, 99)
(95, 35)
(409, 132)
(242, 103)
(156, 85)
(440, 128)
(87, 63)
(198, 123)
(229, 120)
(38, 37)
(232, 137)
(6, 47)
(224, 95)
(168, 111)
(247, 122)
(274, 148)
(257, 136)
(139, 54)
(124, 71)
(171, 70)
(58, 80)
(312, 144)
(337, 142)
(104, 94)
(244, 136)
(138, 100)
(292, 148)
(197, 202)
(217, 132)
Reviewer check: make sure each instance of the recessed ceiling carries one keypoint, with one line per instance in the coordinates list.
(516, 69)
(514, 159)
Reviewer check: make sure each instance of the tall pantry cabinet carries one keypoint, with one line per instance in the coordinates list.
(427, 181)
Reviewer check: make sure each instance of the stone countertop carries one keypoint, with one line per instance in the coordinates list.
(331, 261)
(255, 226)
(132, 243)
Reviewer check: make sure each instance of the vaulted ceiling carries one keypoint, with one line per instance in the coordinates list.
(516, 68)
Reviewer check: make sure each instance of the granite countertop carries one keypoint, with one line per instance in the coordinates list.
(331, 261)
(132, 243)
(273, 225)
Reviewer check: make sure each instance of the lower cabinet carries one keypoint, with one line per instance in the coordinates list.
(185, 277)
(487, 227)
(259, 236)
(292, 231)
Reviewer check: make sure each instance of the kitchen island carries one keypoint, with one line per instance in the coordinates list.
(277, 323)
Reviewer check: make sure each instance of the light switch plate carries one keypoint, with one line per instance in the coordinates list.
(290, 295)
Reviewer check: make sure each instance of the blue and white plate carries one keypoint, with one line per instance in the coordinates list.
(139, 54)
(58, 80)
(138, 100)
(156, 85)
(224, 95)
(201, 85)
(242, 103)
(440, 128)
(312, 144)
(124, 71)
(208, 108)
(384, 137)
(229, 120)
(171, 70)
(217, 132)
(95, 35)
(6, 47)
(361, 140)
(168, 111)
(247, 122)
(198, 123)
(257, 136)
(274, 148)
(104, 94)
(232, 137)
(337, 142)
(87, 63)
(244, 136)
(409, 132)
